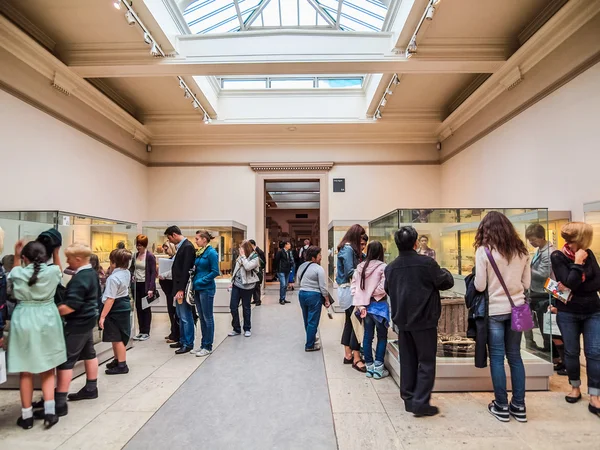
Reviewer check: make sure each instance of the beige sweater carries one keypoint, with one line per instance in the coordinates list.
(517, 276)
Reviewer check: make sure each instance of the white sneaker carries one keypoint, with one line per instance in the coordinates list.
(234, 333)
(204, 352)
(144, 337)
(195, 351)
(248, 333)
(137, 337)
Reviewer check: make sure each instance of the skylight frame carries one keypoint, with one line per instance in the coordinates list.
(315, 81)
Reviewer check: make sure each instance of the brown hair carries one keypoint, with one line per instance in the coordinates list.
(205, 234)
(247, 246)
(121, 258)
(579, 233)
(498, 233)
(142, 240)
(535, 230)
(353, 237)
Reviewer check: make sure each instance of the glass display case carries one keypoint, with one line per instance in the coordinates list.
(228, 237)
(335, 232)
(450, 236)
(102, 235)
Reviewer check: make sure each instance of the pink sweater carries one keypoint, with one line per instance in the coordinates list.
(374, 283)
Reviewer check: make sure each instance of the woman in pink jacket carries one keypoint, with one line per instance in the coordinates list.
(369, 296)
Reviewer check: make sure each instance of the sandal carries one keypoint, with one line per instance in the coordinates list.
(348, 361)
(362, 369)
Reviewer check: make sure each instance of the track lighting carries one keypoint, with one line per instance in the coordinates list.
(148, 39)
(187, 94)
(207, 119)
(117, 4)
(384, 101)
(388, 91)
(181, 84)
(154, 50)
(395, 80)
(430, 12)
(412, 46)
(377, 115)
(130, 18)
(195, 104)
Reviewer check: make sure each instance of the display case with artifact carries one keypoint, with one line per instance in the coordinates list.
(228, 235)
(101, 235)
(450, 236)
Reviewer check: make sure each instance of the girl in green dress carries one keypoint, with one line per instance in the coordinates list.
(36, 342)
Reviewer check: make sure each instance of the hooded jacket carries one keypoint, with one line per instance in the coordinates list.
(374, 283)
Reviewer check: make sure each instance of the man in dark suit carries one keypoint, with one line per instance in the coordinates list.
(182, 264)
(261, 273)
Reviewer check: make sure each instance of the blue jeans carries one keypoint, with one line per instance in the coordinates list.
(571, 327)
(370, 325)
(283, 284)
(310, 303)
(502, 340)
(186, 323)
(292, 275)
(204, 305)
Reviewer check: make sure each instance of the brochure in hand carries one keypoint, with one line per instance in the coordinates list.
(551, 287)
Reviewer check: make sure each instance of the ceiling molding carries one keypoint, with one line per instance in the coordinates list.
(25, 48)
(26, 25)
(287, 167)
(416, 115)
(552, 8)
(115, 96)
(554, 32)
(81, 52)
(485, 49)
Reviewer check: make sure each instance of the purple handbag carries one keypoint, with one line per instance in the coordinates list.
(521, 318)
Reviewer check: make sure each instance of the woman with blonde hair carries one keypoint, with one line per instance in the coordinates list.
(576, 268)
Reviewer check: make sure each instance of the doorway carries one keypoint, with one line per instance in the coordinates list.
(292, 213)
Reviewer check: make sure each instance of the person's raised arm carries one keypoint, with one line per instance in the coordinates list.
(480, 270)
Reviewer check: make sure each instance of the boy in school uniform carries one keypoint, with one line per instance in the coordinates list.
(80, 313)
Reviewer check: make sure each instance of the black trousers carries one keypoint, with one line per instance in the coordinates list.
(348, 335)
(167, 287)
(256, 292)
(245, 295)
(144, 316)
(417, 366)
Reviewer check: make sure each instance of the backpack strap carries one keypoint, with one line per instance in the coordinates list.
(301, 276)
(498, 275)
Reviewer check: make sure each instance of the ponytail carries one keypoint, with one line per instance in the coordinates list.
(36, 271)
(35, 254)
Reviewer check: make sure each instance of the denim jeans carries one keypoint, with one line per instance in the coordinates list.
(186, 323)
(292, 275)
(283, 284)
(310, 303)
(502, 340)
(204, 305)
(571, 327)
(245, 295)
(370, 325)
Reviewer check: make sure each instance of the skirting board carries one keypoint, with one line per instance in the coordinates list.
(465, 377)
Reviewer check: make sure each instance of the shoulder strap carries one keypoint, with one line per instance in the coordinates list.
(498, 275)
(301, 276)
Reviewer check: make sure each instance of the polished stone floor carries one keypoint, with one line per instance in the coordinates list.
(265, 392)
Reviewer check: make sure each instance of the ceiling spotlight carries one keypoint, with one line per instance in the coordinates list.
(117, 4)
(207, 119)
(396, 81)
(187, 94)
(130, 19)
(377, 115)
(384, 101)
(181, 84)
(388, 91)
(147, 38)
(430, 12)
(412, 46)
(195, 104)
(154, 50)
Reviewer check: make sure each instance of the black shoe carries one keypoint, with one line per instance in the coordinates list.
(286, 301)
(26, 424)
(426, 410)
(183, 350)
(315, 348)
(83, 394)
(559, 366)
(562, 372)
(50, 420)
(253, 302)
(570, 399)
(60, 412)
(281, 302)
(258, 303)
(594, 410)
(518, 412)
(117, 370)
(499, 412)
(176, 345)
(37, 405)
(112, 364)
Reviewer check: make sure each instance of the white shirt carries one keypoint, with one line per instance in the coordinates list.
(117, 285)
(516, 275)
(87, 266)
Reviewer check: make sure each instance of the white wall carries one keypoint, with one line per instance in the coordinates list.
(372, 191)
(548, 156)
(49, 165)
(202, 193)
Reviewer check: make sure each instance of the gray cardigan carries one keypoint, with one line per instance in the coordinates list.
(248, 270)
(541, 270)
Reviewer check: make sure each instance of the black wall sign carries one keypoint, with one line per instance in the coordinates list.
(339, 185)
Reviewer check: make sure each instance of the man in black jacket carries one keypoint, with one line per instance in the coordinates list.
(283, 266)
(256, 296)
(413, 283)
(182, 264)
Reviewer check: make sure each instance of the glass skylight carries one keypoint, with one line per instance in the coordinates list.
(225, 16)
(291, 82)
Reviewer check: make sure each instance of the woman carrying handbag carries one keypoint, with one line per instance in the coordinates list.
(502, 266)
